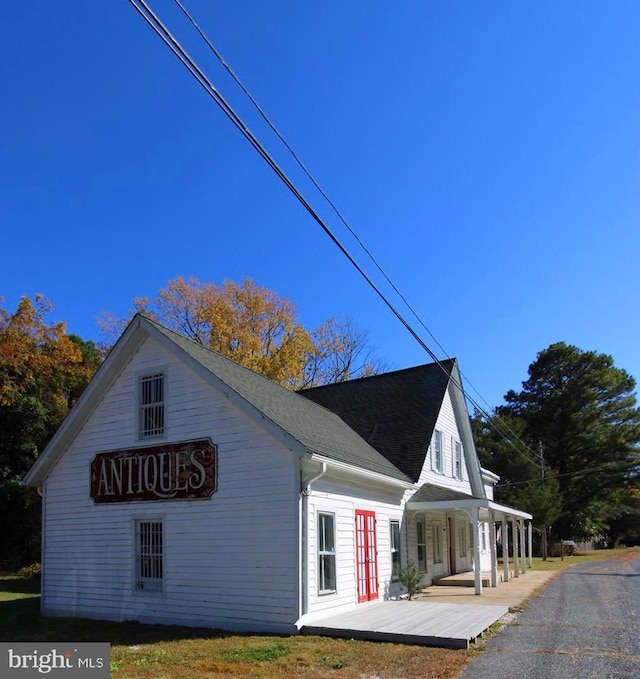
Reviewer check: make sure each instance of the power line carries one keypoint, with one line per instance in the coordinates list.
(581, 472)
(340, 216)
(170, 41)
(304, 168)
(316, 184)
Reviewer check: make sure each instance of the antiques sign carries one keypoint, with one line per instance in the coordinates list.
(175, 471)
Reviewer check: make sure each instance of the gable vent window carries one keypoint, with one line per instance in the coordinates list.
(149, 556)
(152, 390)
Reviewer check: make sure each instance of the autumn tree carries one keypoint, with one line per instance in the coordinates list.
(341, 351)
(580, 411)
(42, 372)
(259, 329)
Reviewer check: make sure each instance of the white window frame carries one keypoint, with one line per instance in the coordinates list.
(437, 541)
(149, 555)
(395, 548)
(151, 409)
(437, 451)
(421, 544)
(462, 532)
(327, 554)
(457, 459)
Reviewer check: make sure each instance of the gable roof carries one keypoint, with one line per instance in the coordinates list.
(317, 429)
(395, 412)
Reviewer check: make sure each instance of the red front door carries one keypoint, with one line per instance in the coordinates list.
(366, 556)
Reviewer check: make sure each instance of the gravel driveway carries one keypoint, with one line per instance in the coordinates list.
(584, 624)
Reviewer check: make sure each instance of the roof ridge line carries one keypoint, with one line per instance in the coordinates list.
(434, 364)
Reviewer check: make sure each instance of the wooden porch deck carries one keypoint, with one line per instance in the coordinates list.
(466, 579)
(411, 622)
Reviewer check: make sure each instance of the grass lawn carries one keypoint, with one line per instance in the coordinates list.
(557, 563)
(163, 652)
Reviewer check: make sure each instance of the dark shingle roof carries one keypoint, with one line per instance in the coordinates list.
(395, 412)
(315, 427)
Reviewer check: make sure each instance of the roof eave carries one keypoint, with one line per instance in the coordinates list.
(471, 503)
(489, 475)
(237, 399)
(365, 473)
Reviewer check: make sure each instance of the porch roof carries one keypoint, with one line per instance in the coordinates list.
(437, 498)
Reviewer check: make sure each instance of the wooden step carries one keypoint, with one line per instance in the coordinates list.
(466, 579)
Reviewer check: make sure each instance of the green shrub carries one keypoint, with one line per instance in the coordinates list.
(410, 578)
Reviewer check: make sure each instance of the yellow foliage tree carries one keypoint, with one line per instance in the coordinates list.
(42, 370)
(39, 359)
(259, 329)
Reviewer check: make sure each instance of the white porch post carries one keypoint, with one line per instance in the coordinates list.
(475, 523)
(494, 553)
(505, 549)
(514, 525)
(523, 553)
(529, 532)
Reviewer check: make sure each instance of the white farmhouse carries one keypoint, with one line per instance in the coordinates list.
(186, 489)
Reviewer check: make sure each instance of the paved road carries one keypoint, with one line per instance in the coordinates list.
(583, 625)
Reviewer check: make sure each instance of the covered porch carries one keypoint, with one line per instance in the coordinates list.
(512, 525)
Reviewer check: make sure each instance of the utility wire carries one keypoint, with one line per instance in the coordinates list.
(165, 35)
(307, 172)
(304, 168)
(581, 472)
(339, 214)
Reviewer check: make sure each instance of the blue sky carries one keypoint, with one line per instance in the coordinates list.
(488, 154)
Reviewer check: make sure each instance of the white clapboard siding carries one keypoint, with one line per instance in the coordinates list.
(229, 562)
(446, 423)
(342, 499)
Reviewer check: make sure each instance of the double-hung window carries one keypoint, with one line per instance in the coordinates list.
(437, 542)
(457, 461)
(462, 532)
(149, 556)
(396, 560)
(437, 451)
(421, 544)
(326, 553)
(151, 397)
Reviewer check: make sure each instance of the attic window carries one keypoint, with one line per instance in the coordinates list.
(457, 459)
(151, 398)
(437, 452)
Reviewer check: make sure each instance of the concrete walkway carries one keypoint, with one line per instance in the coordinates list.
(511, 594)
